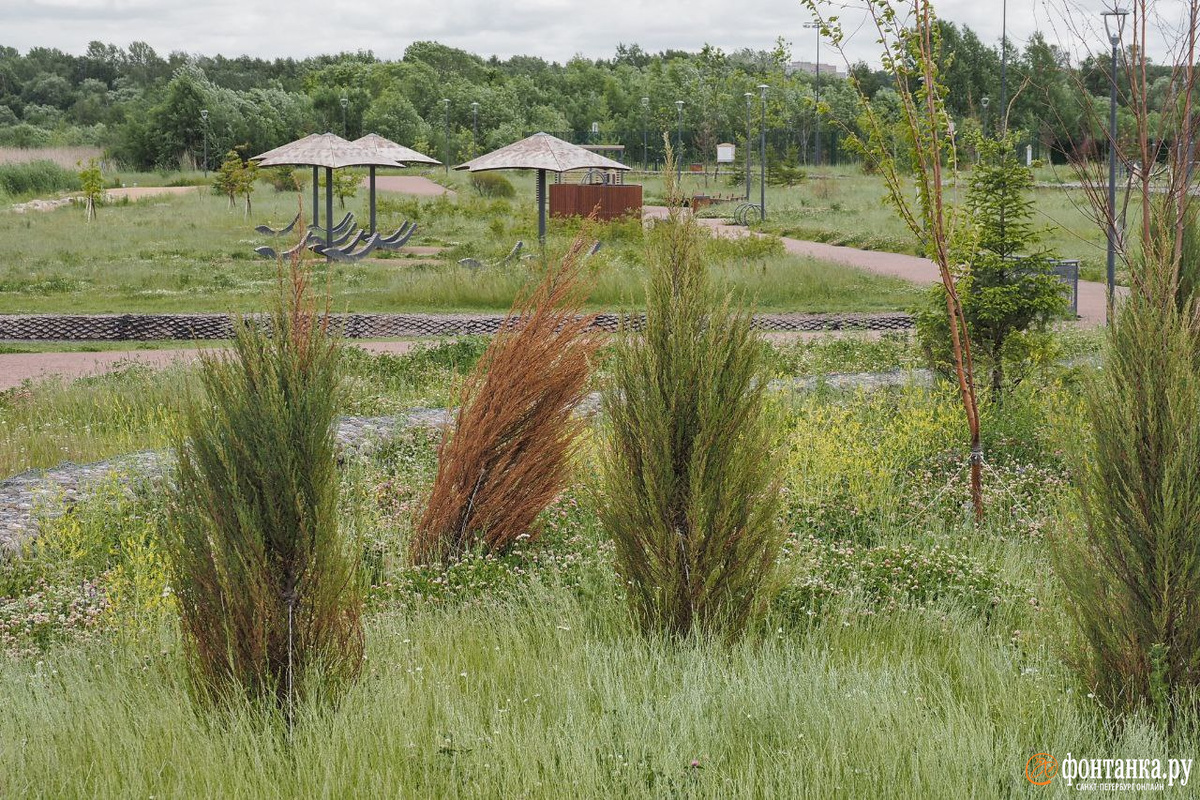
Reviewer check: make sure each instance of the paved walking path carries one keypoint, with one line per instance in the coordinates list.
(898, 265)
(16, 368)
(408, 184)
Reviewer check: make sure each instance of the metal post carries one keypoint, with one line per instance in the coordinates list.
(372, 198)
(762, 147)
(1003, 127)
(645, 148)
(816, 26)
(1111, 274)
(446, 135)
(679, 145)
(329, 210)
(474, 129)
(1113, 19)
(541, 201)
(749, 146)
(204, 124)
(316, 219)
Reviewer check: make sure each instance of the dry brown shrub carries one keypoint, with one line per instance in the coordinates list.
(510, 452)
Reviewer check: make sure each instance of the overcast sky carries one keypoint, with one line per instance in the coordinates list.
(552, 29)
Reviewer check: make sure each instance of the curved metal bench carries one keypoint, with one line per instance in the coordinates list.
(269, 231)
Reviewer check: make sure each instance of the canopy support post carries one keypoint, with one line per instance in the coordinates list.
(541, 200)
(372, 198)
(329, 210)
(316, 219)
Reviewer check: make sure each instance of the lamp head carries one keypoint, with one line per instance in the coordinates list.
(1114, 23)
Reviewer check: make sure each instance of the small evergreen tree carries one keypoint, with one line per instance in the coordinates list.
(267, 589)
(1009, 287)
(691, 488)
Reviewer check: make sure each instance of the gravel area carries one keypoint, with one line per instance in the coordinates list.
(41, 493)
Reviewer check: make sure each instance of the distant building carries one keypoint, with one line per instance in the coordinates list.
(811, 68)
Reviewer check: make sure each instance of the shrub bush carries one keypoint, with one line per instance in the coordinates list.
(267, 589)
(510, 453)
(492, 184)
(1132, 569)
(690, 479)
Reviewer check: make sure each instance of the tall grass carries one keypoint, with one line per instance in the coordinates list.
(266, 588)
(36, 178)
(510, 452)
(551, 696)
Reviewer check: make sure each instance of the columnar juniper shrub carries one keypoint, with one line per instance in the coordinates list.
(690, 479)
(266, 587)
(510, 453)
(1132, 569)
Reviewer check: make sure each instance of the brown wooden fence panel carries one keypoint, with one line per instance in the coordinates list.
(578, 200)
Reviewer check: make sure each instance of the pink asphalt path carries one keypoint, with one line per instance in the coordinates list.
(15, 368)
(897, 265)
(417, 185)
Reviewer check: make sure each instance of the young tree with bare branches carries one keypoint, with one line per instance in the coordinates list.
(911, 40)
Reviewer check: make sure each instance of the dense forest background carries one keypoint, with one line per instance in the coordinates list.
(144, 109)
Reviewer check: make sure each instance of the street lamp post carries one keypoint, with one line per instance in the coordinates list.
(679, 144)
(446, 135)
(749, 97)
(474, 128)
(645, 148)
(1114, 25)
(817, 92)
(345, 102)
(204, 125)
(762, 154)
(1003, 126)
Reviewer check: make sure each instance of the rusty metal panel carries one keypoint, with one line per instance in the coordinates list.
(609, 202)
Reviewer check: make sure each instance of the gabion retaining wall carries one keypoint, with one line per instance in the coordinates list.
(148, 327)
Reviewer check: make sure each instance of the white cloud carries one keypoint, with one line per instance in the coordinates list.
(552, 29)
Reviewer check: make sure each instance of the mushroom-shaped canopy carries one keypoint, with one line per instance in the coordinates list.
(324, 150)
(398, 152)
(541, 151)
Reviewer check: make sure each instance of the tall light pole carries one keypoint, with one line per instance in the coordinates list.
(446, 135)
(345, 102)
(749, 147)
(1114, 25)
(817, 91)
(679, 144)
(474, 128)
(1003, 126)
(645, 148)
(204, 125)
(762, 154)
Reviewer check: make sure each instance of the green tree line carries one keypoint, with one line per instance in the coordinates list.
(144, 109)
